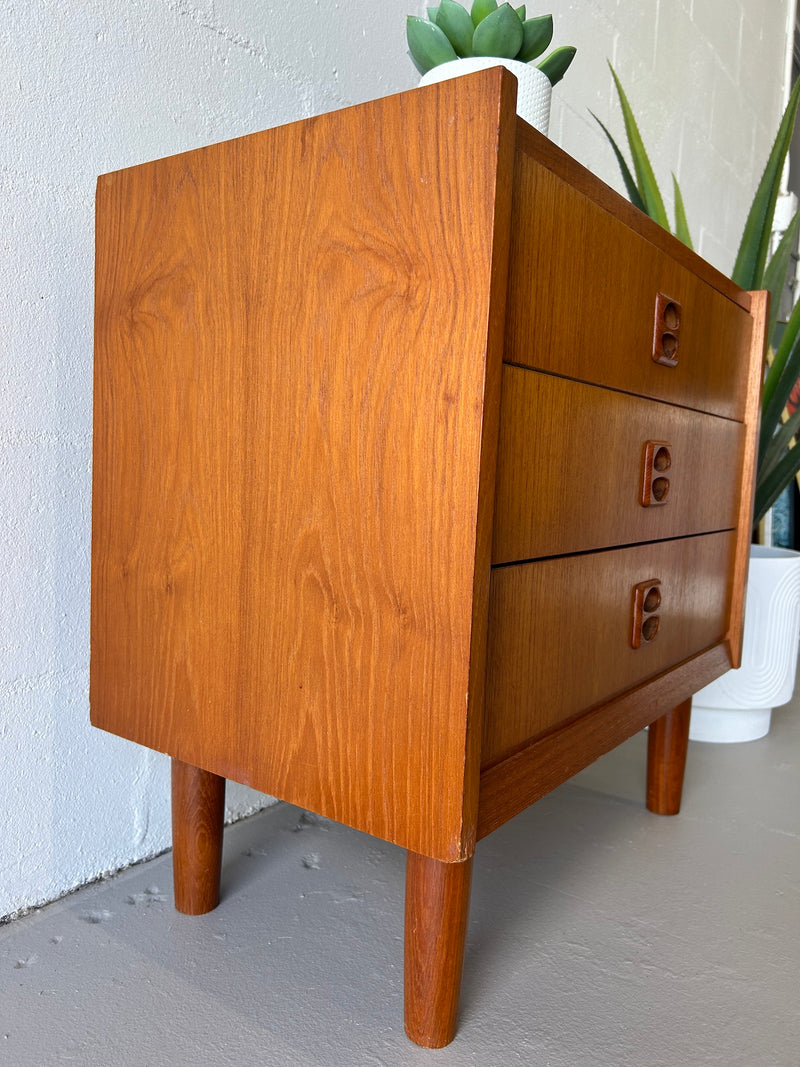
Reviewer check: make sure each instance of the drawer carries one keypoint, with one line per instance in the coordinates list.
(575, 469)
(582, 302)
(560, 630)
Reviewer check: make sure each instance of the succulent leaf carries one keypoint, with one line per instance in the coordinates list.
(432, 13)
(748, 271)
(777, 270)
(455, 22)
(536, 36)
(781, 378)
(778, 445)
(521, 12)
(768, 492)
(480, 9)
(770, 486)
(681, 222)
(427, 44)
(499, 34)
(556, 64)
(645, 178)
(630, 182)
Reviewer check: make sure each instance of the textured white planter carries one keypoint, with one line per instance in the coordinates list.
(738, 706)
(533, 94)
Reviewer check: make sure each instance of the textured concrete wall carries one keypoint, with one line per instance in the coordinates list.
(93, 85)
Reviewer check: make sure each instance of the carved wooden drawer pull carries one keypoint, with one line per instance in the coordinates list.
(666, 333)
(655, 483)
(646, 620)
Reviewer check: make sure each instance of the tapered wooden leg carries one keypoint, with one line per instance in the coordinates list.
(667, 741)
(198, 808)
(437, 909)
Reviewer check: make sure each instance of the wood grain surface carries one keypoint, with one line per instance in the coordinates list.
(560, 630)
(300, 346)
(571, 464)
(512, 784)
(299, 338)
(667, 744)
(198, 808)
(437, 912)
(298, 356)
(753, 371)
(582, 302)
(547, 154)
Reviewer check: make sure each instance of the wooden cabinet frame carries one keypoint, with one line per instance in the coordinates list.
(300, 338)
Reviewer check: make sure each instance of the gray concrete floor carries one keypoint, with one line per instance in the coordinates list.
(600, 936)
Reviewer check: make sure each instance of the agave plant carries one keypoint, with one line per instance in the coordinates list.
(487, 29)
(778, 451)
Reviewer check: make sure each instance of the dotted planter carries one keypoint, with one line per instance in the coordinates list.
(738, 706)
(533, 94)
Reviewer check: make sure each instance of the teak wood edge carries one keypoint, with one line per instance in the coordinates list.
(506, 94)
(513, 784)
(755, 378)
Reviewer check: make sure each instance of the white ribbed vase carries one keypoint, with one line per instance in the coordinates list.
(533, 93)
(738, 706)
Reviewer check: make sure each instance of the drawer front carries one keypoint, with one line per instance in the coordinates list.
(582, 299)
(561, 631)
(578, 469)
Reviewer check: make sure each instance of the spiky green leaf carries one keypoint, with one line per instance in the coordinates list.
(770, 488)
(748, 271)
(781, 379)
(557, 63)
(499, 34)
(480, 9)
(627, 177)
(778, 445)
(521, 12)
(455, 23)
(645, 178)
(536, 36)
(681, 223)
(777, 270)
(427, 44)
(432, 13)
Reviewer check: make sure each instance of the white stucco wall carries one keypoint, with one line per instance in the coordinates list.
(93, 85)
(706, 81)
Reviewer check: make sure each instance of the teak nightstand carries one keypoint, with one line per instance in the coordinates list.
(423, 472)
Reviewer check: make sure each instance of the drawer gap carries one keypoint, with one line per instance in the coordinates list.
(608, 548)
(615, 389)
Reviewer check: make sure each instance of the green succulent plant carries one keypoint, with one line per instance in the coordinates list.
(487, 29)
(778, 450)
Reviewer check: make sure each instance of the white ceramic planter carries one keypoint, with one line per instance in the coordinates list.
(533, 94)
(738, 706)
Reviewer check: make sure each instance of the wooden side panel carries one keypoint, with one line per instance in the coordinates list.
(747, 477)
(560, 630)
(297, 381)
(571, 469)
(583, 295)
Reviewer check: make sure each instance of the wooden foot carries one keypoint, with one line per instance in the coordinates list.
(198, 807)
(668, 738)
(437, 909)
